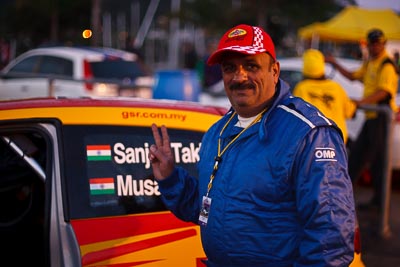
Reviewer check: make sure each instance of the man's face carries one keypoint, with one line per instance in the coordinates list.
(249, 81)
(375, 48)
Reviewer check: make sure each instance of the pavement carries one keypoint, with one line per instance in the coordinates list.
(379, 250)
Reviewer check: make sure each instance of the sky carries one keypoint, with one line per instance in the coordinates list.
(380, 4)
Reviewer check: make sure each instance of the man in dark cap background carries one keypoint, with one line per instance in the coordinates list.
(380, 79)
(273, 187)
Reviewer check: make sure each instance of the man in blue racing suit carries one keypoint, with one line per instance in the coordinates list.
(273, 187)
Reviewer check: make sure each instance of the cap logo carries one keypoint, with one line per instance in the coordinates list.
(236, 33)
(243, 39)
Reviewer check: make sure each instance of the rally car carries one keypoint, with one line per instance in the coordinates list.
(76, 185)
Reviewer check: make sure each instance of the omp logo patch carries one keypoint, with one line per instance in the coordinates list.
(325, 154)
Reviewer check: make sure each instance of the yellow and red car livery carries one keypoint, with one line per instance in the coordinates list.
(92, 197)
(76, 186)
(157, 239)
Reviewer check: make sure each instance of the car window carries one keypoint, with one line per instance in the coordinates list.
(27, 65)
(56, 65)
(108, 172)
(116, 69)
(22, 196)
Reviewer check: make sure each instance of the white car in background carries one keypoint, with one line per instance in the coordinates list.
(291, 72)
(75, 72)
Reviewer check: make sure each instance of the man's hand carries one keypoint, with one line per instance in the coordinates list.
(161, 158)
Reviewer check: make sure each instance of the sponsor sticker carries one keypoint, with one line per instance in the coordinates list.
(236, 33)
(98, 152)
(325, 154)
(102, 186)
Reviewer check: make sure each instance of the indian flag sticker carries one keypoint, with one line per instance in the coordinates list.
(102, 186)
(98, 152)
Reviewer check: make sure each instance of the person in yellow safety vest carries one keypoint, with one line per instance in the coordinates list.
(380, 78)
(327, 95)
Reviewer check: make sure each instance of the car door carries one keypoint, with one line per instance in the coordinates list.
(34, 225)
(114, 204)
(98, 203)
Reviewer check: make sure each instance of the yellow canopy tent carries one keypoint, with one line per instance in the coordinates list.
(352, 25)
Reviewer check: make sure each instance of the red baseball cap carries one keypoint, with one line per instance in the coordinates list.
(245, 39)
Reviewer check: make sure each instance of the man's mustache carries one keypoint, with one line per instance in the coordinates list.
(238, 86)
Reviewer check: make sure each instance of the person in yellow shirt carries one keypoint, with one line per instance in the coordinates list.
(379, 76)
(327, 95)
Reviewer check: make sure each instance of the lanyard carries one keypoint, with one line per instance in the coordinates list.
(218, 158)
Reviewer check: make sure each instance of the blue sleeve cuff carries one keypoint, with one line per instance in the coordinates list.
(169, 181)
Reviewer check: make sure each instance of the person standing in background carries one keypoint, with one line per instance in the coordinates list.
(190, 57)
(397, 59)
(327, 95)
(4, 53)
(212, 74)
(380, 80)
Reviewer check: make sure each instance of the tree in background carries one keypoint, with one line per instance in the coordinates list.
(41, 22)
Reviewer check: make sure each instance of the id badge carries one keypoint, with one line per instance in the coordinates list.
(205, 210)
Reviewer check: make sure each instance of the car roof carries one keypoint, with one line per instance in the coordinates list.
(353, 88)
(82, 52)
(49, 102)
(118, 111)
(297, 62)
